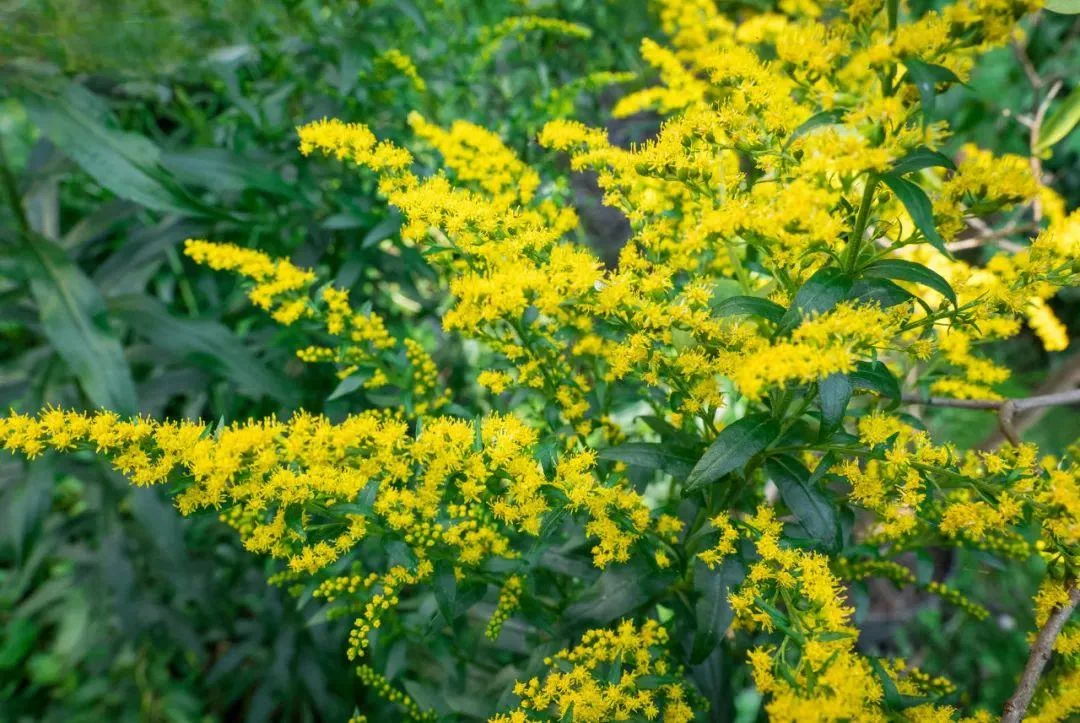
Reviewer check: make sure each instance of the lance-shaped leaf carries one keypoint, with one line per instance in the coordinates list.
(749, 306)
(876, 377)
(823, 118)
(1065, 7)
(920, 158)
(882, 292)
(74, 320)
(712, 612)
(673, 460)
(1061, 121)
(125, 163)
(733, 448)
(834, 393)
(925, 77)
(918, 207)
(821, 292)
(901, 270)
(202, 342)
(809, 505)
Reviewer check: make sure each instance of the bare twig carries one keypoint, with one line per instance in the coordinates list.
(1020, 51)
(1041, 104)
(1006, 408)
(1066, 376)
(1017, 705)
(986, 235)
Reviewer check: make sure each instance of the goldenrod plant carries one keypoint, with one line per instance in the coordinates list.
(124, 128)
(725, 422)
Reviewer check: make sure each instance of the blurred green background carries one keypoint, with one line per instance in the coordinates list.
(129, 126)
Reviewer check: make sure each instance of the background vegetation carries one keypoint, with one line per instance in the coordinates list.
(127, 127)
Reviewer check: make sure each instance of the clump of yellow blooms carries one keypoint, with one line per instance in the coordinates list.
(520, 26)
(380, 686)
(618, 674)
(702, 414)
(509, 597)
(404, 65)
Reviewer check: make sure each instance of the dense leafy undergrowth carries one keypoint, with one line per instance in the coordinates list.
(748, 469)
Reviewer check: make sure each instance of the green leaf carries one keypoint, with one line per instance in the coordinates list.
(18, 641)
(920, 158)
(617, 592)
(876, 377)
(712, 612)
(1062, 121)
(733, 448)
(1065, 7)
(882, 292)
(918, 207)
(815, 512)
(675, 461)
(749, 306)
(205, 343)
(898, 269)
(834, 393)
(349, 384)
(220, 170)
(74, 320)
(925, 77)
(445, 588)
(892, 10)
(125, 163)
(97, 224)
(381, 231)
(823, 118)
(821, 292)
(666, 431)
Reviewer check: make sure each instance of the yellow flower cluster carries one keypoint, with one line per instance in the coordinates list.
(456, 490)
(580, 683)
(509, 597)
(403, 64)
(381, 687)
(365, 345)
(522, 25)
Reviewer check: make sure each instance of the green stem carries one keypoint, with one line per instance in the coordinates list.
(860, 224)
(740, 270)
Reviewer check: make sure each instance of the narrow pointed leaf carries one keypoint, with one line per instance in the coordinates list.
(74, 319)
(673, 460)
(749, 306)
(920, 158)
(876, 377)
(203, 342)
(918, 207)
(882, 292)
(821, 292)
(834, 393)
(809, 505)
(733, 448)
(824, 118)
(901, 270)
(1061, 122)
(1065, 7)
(925, 77)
